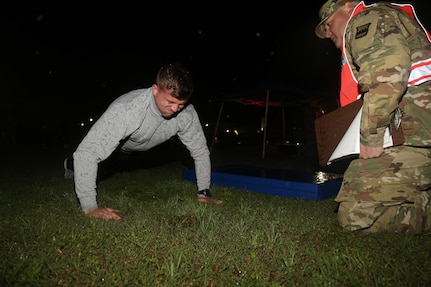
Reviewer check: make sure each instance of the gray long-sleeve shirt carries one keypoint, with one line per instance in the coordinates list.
(134, 117)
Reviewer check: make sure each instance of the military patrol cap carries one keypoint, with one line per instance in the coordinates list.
(325, 12)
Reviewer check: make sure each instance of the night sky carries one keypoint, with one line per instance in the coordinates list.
(67, 61)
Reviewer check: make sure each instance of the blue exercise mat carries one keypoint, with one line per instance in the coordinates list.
(296, 184)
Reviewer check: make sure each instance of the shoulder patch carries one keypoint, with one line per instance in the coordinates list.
(362, 31)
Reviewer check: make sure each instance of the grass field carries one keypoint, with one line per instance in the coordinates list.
(167, 238)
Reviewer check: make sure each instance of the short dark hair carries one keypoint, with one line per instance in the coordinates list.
(176, 78)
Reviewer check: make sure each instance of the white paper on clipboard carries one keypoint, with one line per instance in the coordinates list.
(349, 144)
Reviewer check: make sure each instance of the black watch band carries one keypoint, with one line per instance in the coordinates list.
(204, 192)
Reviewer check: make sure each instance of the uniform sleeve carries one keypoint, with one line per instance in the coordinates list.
(382, 57)
(101, 140)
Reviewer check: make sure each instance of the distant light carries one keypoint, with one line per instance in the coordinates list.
(85, 123)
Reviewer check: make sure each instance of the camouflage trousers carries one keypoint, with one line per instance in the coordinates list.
(391, 193)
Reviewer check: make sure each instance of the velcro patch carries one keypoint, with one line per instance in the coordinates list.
(362, 31)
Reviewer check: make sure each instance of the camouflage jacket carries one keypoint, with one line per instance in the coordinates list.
(381, 44)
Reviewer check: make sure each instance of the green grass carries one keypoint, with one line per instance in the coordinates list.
(167, 238)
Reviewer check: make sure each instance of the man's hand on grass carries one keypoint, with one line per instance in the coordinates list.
(112, 214)
(104, 213)
(209, 199)
(204, 195)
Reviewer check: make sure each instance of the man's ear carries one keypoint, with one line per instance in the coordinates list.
(154, 88)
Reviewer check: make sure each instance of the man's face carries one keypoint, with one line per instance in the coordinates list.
(166, 103)
(336, 24)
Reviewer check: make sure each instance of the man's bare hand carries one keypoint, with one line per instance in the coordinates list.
(370, 152)
(209, 199)
(104, 213)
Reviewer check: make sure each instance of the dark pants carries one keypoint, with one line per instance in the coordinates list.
(120, 161)
(117, 162)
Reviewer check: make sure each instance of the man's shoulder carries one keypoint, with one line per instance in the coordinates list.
(136, 93)
(188, 114)
(380, 9)
(132, 96)
(368, 21)
(188, 109)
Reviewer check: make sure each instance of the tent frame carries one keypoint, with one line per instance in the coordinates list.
(264, 124)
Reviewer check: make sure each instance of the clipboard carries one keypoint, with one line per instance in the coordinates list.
(335, 128)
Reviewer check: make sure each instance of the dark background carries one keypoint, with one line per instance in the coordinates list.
(63, 63)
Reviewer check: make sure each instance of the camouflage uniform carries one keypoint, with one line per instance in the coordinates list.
(389, 193)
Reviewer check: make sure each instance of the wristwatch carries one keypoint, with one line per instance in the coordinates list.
(204, 193)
